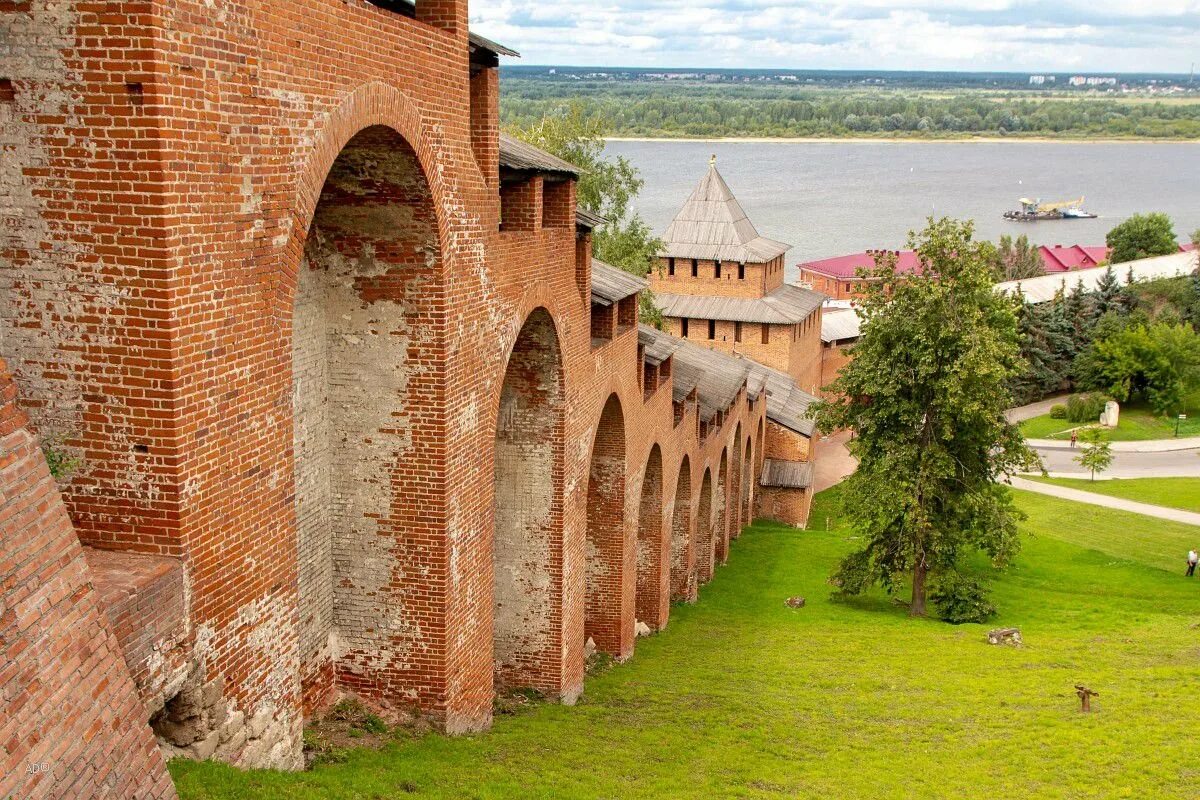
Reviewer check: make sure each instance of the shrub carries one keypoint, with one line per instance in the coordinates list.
(961, 599)
(1085, 407)
(58, 458)
(1058, 411)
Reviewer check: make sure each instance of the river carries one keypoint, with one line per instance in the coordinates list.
(832, 198)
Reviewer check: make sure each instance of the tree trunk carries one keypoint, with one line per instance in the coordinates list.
(917, 607)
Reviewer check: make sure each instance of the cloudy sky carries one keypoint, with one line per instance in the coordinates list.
(1017, 35)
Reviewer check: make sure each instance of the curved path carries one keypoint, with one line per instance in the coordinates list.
(1147, 509)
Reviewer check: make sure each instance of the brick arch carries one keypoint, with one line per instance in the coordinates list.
(749, 477)
(735, 486)
(682, 533)
(528, 510)
(650, 601)
(609, 552)
(367, 366)
(721, 501)
(702, 553)
(371, 104)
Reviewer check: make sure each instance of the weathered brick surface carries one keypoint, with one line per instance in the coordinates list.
(73, 724)
(252, 268)
(145, 600)
(785, 444)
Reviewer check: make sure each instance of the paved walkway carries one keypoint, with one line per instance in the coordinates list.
(1022, 413)
(1150, 446)
(832, 461)
(1060, 462)
(1161, 512)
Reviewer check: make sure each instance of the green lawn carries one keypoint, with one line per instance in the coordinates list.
(744, 698)
(1173, 492)
(1138, 423)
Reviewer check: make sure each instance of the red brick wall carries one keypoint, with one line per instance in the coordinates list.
(758, 279)
(183, 169)
(789, 506)
(73, 724)
(794, 349)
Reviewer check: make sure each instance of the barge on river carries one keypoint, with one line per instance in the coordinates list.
(1036, 210)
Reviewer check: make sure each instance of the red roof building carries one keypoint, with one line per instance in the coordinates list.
(838, 277)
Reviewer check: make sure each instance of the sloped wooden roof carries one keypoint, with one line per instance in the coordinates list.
(787, 404)
(588, 219)
(717, 377)
(787, 305)
(519, 155)
(712, 225)
(612, 284)
(787, 474)
(656, 346)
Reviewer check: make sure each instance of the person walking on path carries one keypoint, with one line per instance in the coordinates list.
(1074, 439)
(1193, 559)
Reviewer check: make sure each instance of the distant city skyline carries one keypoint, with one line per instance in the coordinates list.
(1101, 36)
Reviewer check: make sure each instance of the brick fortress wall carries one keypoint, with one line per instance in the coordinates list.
(253, 274)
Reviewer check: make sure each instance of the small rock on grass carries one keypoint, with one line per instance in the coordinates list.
(795, 602)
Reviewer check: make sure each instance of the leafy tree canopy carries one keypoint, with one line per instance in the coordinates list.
(1160, 361)
(925, 394)
(1142, 236)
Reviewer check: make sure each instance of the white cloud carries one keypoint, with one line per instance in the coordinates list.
(1093, 35)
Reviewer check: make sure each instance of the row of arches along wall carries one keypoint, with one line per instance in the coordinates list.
(363, 397)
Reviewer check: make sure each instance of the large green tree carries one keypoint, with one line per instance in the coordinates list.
(1142, 236)
(925, 395)
(1160, 362)
(607, 186)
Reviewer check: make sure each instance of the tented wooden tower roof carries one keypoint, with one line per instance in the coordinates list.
(712, 225)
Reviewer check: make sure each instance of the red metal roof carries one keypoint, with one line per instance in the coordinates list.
(1056, 258)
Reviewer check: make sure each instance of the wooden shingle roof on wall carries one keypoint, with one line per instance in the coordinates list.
(657, 347)
(518, 155)
(612, 285)
(588, 220)
(787, 305)
(787, 474)
(718, 377)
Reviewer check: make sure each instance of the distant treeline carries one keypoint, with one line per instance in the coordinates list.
(653, 110)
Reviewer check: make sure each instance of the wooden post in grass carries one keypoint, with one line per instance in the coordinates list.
(1085, 697)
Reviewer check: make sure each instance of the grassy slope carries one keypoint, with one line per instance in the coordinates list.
(1173, 492)
(743, 697)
